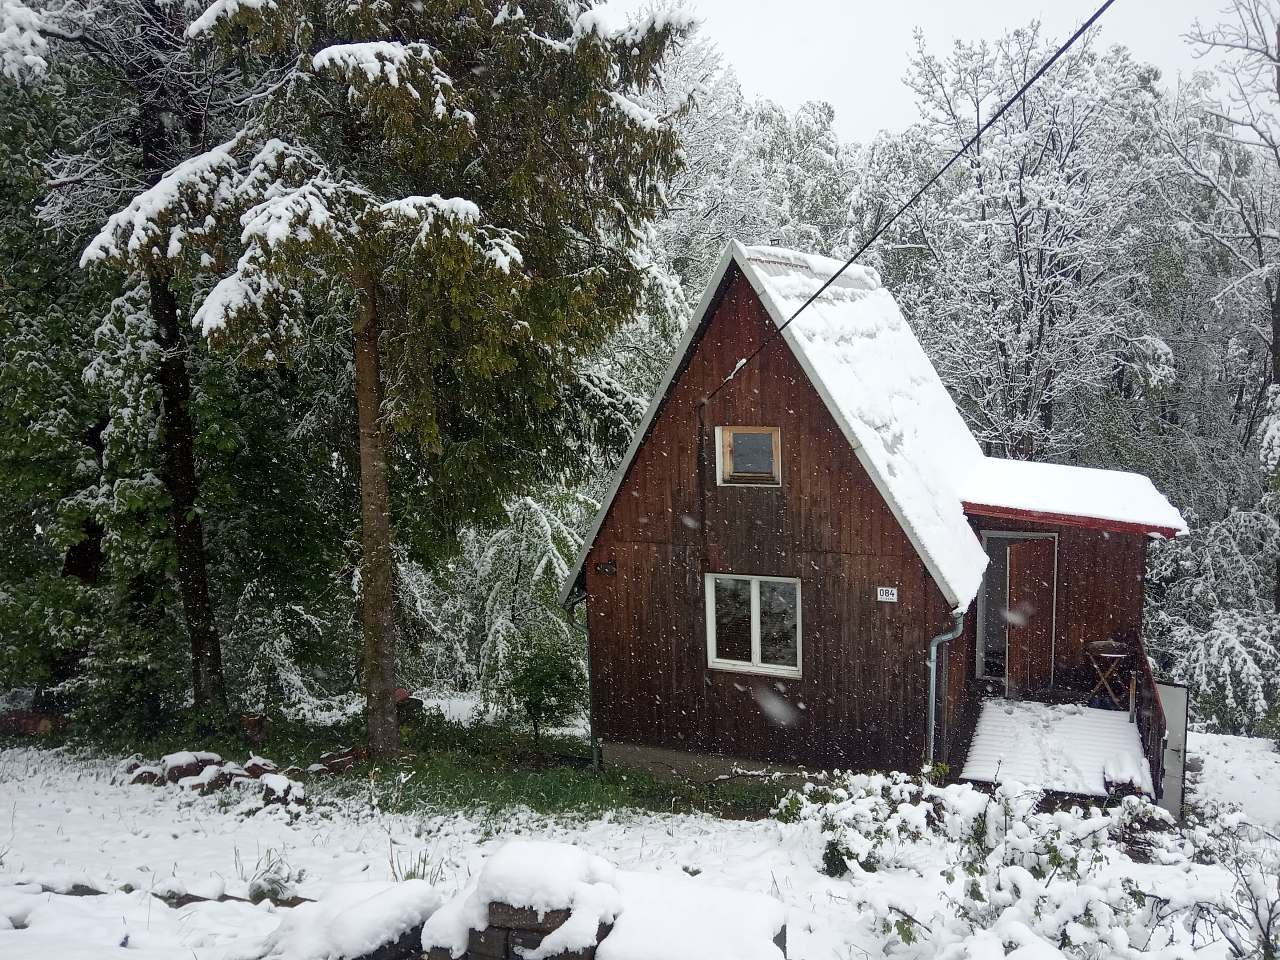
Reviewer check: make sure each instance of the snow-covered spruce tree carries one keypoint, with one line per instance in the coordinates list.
(82, 615)
(151, 103)
(80, 370)
(463, 184)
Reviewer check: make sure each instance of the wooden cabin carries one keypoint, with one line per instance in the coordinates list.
(807, 561)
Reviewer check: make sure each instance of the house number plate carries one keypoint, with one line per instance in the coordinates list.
(887, 594)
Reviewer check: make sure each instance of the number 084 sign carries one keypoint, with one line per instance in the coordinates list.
(887, 594)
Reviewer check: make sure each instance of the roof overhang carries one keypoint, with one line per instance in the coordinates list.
(1067, 520)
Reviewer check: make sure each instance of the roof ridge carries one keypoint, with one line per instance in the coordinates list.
(854, 275)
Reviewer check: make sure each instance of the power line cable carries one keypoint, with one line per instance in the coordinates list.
(1084, 27)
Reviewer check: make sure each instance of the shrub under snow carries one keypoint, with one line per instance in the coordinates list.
(1023, 877)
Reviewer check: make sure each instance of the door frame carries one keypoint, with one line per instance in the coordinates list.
(980, 644)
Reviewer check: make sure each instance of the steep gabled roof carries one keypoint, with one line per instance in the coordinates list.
(886, 397)
(881, 390)
(871, 372)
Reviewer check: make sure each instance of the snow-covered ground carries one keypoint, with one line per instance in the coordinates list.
(67, 821)
(1244, 771)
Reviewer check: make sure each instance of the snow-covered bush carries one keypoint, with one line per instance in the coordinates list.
(1023, 875)
(1211, 621)
(1249, 919)
(868, 819)
(1030, 878)
(127, 685)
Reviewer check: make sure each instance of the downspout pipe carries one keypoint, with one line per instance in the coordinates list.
(957, 627)
(576, 597)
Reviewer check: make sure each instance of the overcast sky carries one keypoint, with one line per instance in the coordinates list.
(853, 53)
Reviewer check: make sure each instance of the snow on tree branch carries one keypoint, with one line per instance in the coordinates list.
(456, 217)
(293, 207)
(247, 291)
(23, 49)
(385, 62)
(160, 223)
(596, 22)
(228, 11)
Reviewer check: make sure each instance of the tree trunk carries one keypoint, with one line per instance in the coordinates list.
(377, 572)
(182, 484)
(1273, 298)
(84, 558)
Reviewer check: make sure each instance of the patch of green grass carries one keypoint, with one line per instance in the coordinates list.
(455, 780)
(489, 768)
(481, 769)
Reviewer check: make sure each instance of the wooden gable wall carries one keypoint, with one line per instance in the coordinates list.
(861, 700)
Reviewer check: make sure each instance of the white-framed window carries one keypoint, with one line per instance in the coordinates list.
(753, 624)
(748, 456)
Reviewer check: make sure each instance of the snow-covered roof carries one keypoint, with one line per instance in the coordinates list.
(1068, 748)
(886, 397)
(1055, 490)
(884, 394)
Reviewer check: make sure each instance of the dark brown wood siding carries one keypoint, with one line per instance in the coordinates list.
(861, 699)
(1100, 594)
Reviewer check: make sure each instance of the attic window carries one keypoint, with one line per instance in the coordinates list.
(749, 456)
(753, 624)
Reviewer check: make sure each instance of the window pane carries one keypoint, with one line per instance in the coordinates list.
(778, 616)
(753, 453)
(733, 619)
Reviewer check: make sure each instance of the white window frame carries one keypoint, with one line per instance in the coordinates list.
(775, 432)
(755, 666)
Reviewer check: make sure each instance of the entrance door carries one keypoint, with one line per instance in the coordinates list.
(1016, 613)
(1030, 616)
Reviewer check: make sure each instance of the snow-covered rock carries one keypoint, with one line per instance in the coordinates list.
(581, 901)
(186, 763)
(256, 766)
(277, 788)
(351, 921)
(147, 774)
